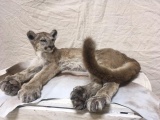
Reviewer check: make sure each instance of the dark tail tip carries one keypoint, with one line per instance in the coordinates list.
(89, 44)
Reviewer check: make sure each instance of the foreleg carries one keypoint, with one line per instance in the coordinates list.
(12, 84)
(32, 90)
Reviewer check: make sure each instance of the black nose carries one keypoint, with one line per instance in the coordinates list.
(45, 48)
(50, 47)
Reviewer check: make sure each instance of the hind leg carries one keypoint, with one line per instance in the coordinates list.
(102, 97)
(81, 94)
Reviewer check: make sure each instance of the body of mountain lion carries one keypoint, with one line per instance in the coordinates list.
(107, 69)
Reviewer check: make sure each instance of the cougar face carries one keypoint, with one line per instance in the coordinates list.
(43, 41)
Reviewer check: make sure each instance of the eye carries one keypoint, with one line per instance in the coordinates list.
(43, 40)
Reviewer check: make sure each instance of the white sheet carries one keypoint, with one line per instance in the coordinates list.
(131, 26)
(134, 96)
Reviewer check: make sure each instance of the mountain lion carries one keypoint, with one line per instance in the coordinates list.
(107, 68)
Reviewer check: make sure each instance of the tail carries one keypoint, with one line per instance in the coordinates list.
(121, 74)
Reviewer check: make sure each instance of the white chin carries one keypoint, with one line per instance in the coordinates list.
(50, 51)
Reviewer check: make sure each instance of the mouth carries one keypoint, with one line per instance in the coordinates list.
(49, 49)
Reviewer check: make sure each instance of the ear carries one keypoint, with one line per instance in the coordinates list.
(54, 33)
(31, 35)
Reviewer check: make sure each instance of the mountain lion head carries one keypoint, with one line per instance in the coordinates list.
(43, 41)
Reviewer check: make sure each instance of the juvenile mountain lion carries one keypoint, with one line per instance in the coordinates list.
(107, 68)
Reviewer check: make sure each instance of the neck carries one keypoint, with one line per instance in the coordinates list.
(49, 56)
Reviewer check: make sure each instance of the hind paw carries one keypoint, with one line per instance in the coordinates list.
(97, 103)
(79, 97)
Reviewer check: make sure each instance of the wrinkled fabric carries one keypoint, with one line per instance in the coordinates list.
(131, 26)
(139, 99)
(135, 95)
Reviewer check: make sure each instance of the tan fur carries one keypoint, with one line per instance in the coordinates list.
(113, 67)
(102, 97)
(106, 65)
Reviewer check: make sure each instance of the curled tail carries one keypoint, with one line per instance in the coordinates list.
(121, 74)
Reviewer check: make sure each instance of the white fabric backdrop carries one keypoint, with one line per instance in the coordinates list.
(131, 26)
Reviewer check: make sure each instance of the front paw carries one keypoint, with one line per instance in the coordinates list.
(79, 97)
(10, 86)
(97, 103)
(29, 93)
